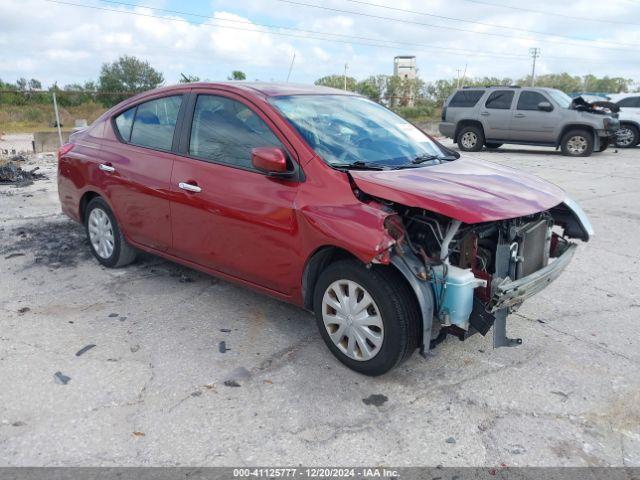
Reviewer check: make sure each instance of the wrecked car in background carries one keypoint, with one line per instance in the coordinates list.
(477, 117)
(323, 199)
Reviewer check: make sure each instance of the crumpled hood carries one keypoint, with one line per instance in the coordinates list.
(468, 190)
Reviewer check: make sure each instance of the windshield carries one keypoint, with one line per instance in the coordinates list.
(344, 130)
(561, 98)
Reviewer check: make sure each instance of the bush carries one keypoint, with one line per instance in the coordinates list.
(416, 112)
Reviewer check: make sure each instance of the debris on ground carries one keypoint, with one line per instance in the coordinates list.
(14, 255)
(138, 434)
(12, 174)
(237, 375)
(61, 378)
(451, 440)
(222, 347)
(23, 310)
(84, 349)
(376, 399)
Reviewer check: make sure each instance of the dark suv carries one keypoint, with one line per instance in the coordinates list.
(492, 116)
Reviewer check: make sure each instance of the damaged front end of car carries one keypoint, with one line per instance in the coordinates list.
(469, 277)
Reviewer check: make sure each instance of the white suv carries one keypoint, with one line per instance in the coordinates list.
(629, 133)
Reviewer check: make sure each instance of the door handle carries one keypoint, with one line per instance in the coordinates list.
(189, 187)
(106, 168)
(519, 115)
(484, 113)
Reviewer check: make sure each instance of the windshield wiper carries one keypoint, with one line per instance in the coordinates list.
(425, 157)
(359, 165)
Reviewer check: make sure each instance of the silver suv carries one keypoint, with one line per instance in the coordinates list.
(491, 116)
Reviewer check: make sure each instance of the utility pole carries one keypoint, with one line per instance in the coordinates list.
(346, 65)
(464, 75)
(55, 108)
(535, 53)
(291, 66)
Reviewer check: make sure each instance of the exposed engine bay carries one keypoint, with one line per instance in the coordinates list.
(481, 272)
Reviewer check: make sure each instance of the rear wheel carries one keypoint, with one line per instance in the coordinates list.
(105, 238)
(491, 145)
(368, 317)
(470, 139)
(577, 143)
(627, 136)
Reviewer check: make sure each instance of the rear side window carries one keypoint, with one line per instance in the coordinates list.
(500, 100)
(630, 102)
(530, 100)
(155, 122)
(466, 98)
(225, 131)
(124, 121)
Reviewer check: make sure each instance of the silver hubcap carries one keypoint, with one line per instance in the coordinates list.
(624, 137)
(101, 233)
(577, 145)
(352, 320)
(469, 140)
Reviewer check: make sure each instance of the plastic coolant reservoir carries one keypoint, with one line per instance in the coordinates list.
(457, 298)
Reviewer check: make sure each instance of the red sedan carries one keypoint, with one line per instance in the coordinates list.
(324, 199)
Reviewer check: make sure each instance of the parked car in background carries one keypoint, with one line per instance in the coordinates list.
(629, 133)
(490, 117)
(323, 199)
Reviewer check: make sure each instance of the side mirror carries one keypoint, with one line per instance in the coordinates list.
(545, 106)
(270, 160)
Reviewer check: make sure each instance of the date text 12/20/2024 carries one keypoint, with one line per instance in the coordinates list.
(314, 473)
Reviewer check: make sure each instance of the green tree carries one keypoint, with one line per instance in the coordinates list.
(35, 84)
(21, 83)
(337, 81)
(237, 75)
(188, 78)
(127, 74)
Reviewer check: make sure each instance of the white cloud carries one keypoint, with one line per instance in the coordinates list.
(68, 44)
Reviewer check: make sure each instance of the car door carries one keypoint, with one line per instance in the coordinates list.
(529, 123)
(226, 215)
(495, 114)
(137, 163)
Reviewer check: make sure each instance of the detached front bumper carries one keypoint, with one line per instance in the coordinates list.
(514, 292)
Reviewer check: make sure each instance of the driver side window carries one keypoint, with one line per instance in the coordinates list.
(225, 131)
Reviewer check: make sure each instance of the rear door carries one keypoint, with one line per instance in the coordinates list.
(236, 220)
(136, 169)
(532, 125)
(495, 114)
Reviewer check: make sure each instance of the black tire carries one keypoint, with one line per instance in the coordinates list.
(397, 306)
(632, 139)
(492, 146)
(582, 137)
(123, 253)
(475, 139)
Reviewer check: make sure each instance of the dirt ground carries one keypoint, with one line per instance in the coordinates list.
(126, 367)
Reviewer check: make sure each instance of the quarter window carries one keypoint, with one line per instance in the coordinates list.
(500, 99)
(155, 123)
(225, 131)
(530, 100)
(466, 98)
(124, 121)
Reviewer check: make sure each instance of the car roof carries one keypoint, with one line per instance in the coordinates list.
(267, 89)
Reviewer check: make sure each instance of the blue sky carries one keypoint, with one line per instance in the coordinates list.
(67, 44)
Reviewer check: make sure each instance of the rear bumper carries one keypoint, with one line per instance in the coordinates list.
(447, 129)
(514, 292)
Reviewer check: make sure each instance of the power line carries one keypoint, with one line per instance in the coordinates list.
(451, 50)
(444, 17)
(438, 48)
(554, 14)
(413, 22)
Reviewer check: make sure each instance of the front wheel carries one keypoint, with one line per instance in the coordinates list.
(577, 143)
(627, 136)
(107, 243)
(368, 317)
